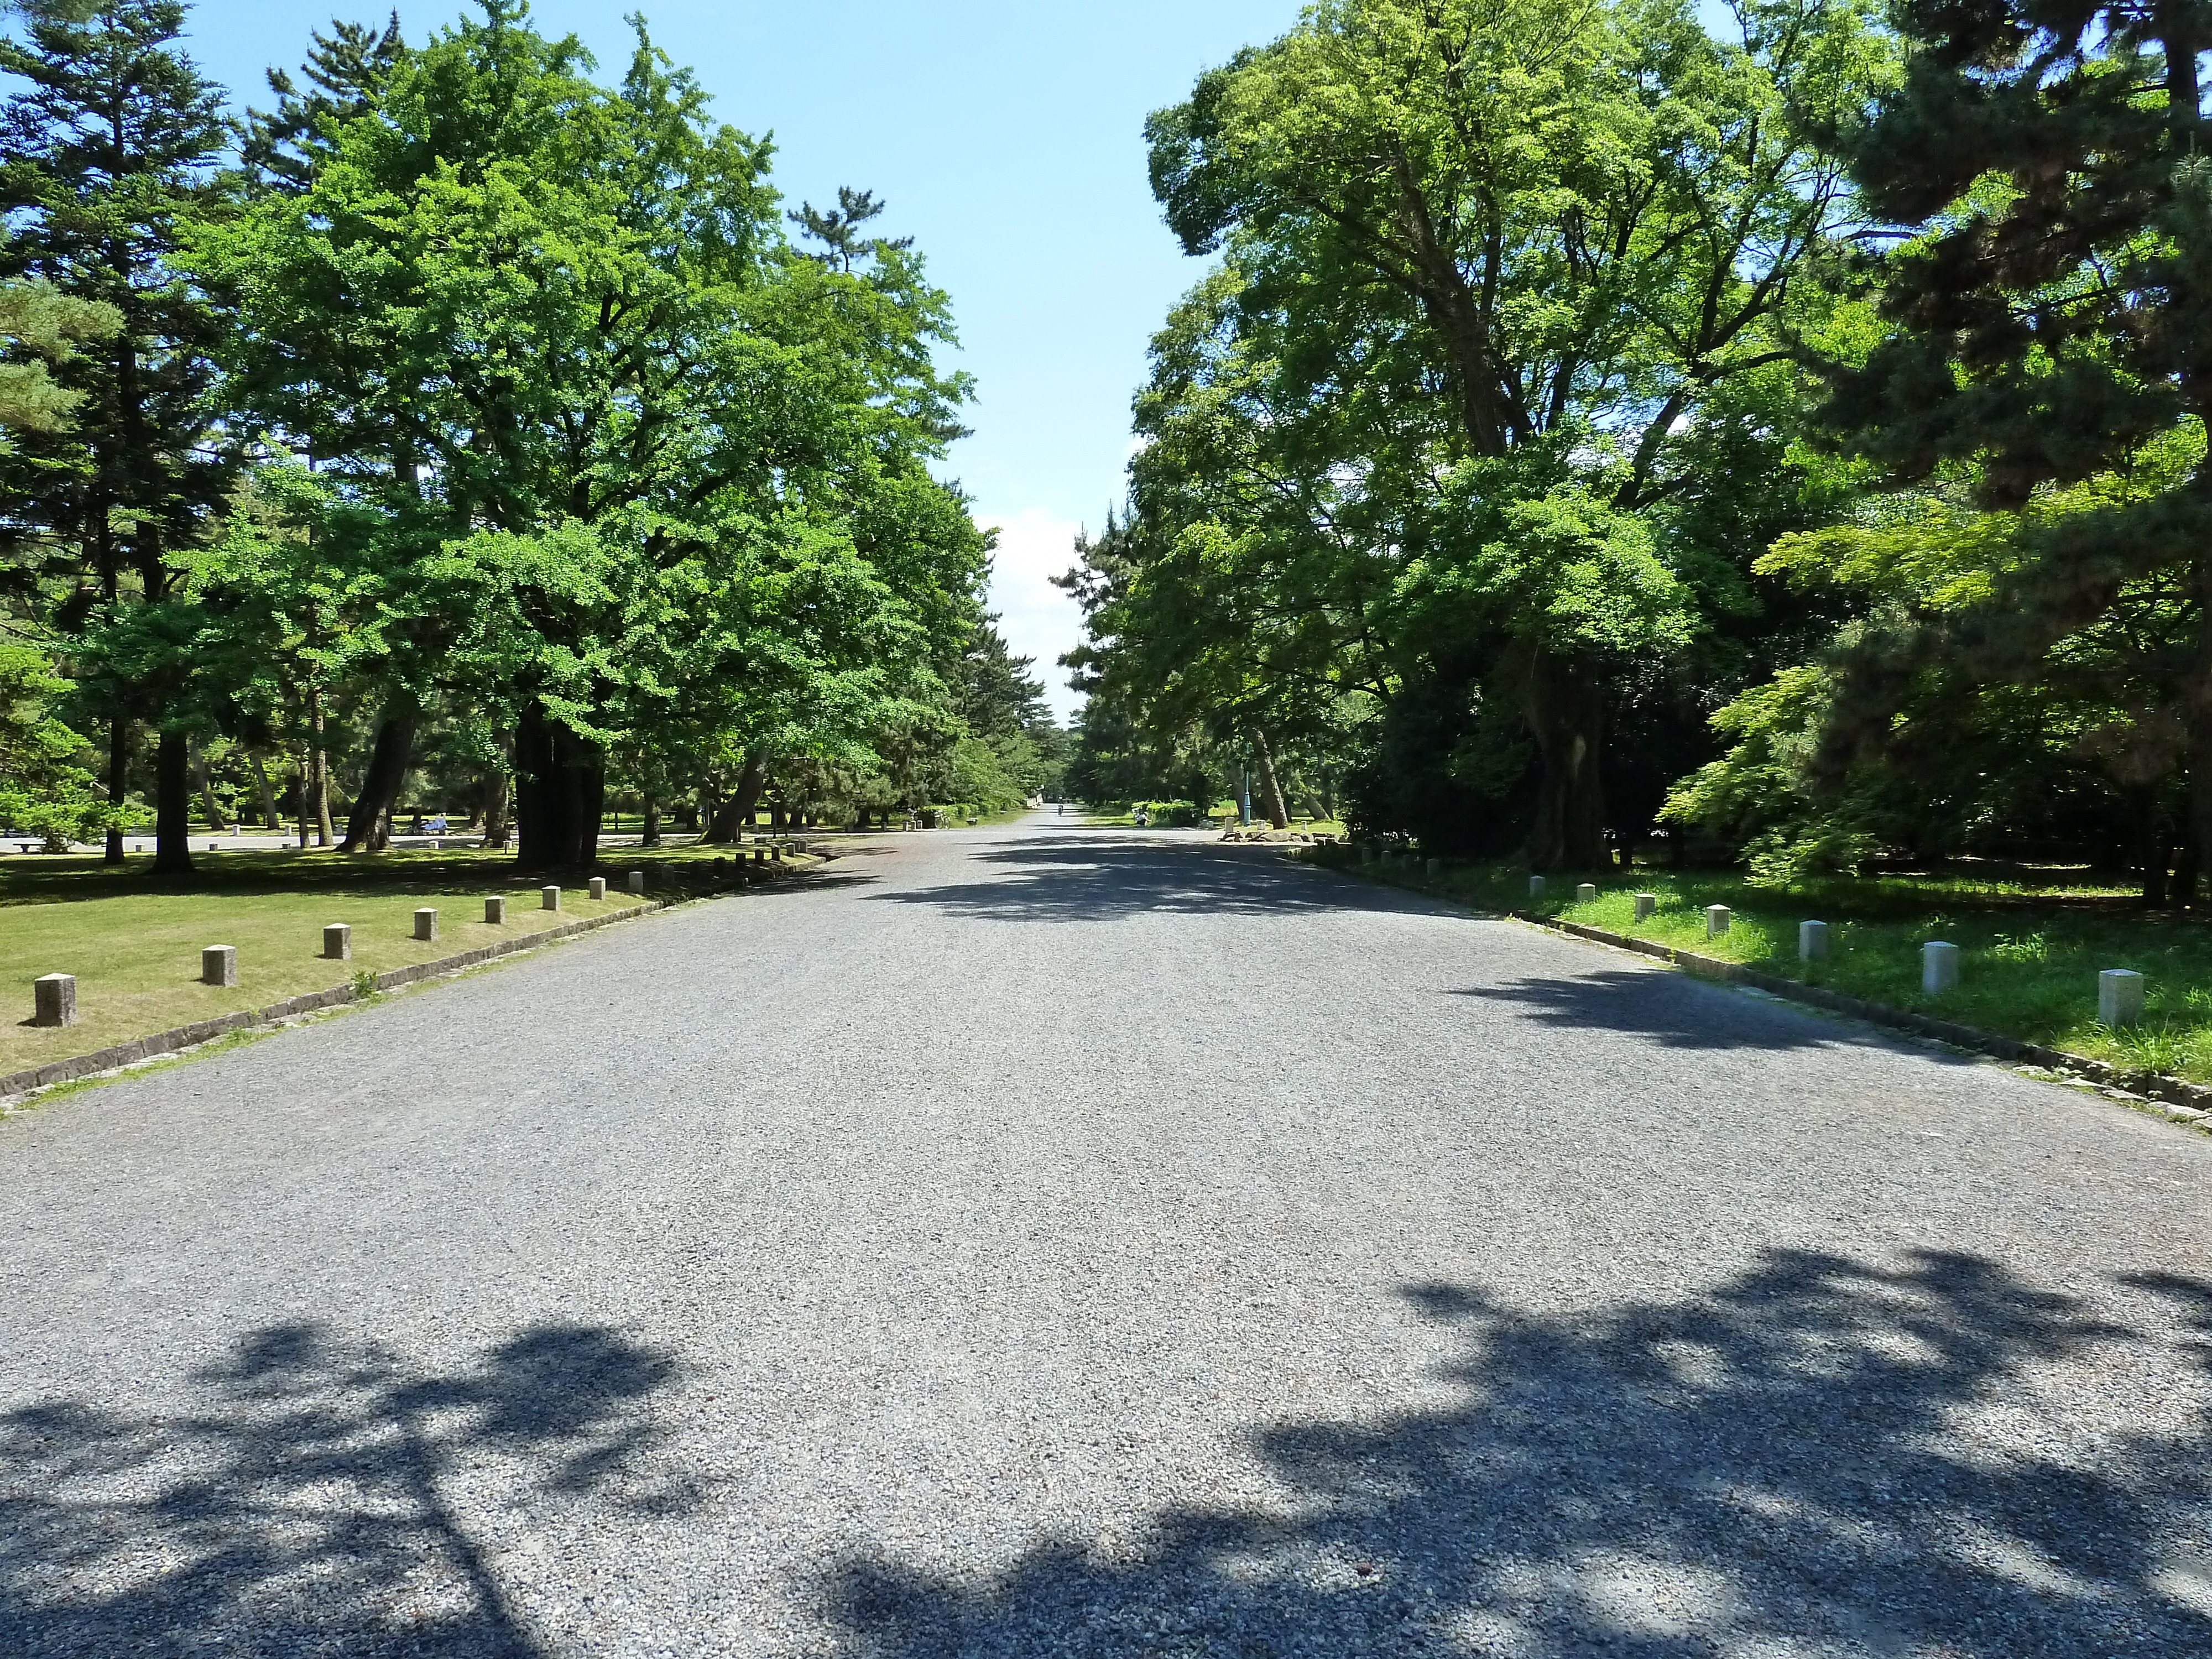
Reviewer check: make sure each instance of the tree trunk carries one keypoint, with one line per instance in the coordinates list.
(733, 817)
(1566, 715)
(560, 795)
(651, 837)
(319, 773)
(269, 820)
(2197, 707)
(173, 806)
(1271, 789)
(497, 798)
(118, 769)
(210, 811)
(369, 826)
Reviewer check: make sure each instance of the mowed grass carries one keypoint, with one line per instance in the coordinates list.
(134, 942)
(2030, 950)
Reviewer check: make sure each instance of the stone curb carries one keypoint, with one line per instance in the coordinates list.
(2195, 1099)
(2156, 1085)
(206, 1030)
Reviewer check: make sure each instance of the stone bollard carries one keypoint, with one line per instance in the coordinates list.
(1939, 967)
(778, 852)
(599, 886)
(760, 855)
(1811, 941)
(1646, 903)
(53, 1000)
(1432, 866)
(426, 924)
(2119, 996)
(1536, 887)
(548, 898)
(219, 964)
(637, 881)
(495, 910)
(338, 942)
(1586, 893)
(1717, 917)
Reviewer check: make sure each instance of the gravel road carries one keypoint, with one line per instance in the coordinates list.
(1052, 1241)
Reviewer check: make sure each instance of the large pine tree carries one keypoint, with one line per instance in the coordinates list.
(2051, 313)
(111, 147)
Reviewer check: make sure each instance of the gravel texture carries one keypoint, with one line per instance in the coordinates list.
(1051, 1241)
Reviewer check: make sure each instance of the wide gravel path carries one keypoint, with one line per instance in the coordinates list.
(1052, 1240)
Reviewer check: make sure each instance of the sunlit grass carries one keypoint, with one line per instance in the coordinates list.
(2029, 951)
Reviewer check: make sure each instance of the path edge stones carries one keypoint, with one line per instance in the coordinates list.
(178, 1038)
(2195, 1099)
(2191, 1103)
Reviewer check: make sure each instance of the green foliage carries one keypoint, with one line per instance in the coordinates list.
(1442, 462)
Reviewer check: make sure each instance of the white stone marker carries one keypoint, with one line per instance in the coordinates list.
(1587, 893)
(1939, 967)
(599, 887)
(548, 898)
(53, 1000)
(338, 942)
(426, 924)
(637, 881)
(1435, 865)
(2119, 996)
(1717, 917)
(219, 964)
(1811, 941)
(1645, 904)
(1536, 887)
(495, 910)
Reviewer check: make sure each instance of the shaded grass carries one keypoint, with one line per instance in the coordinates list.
(2030, 948)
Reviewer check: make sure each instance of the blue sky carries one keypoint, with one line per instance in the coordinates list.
(1008, 139)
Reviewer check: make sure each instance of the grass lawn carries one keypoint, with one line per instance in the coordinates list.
(2029, 946)
(133, 940)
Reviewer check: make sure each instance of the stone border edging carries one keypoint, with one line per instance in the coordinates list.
(206, 1030)
(2157, 1086)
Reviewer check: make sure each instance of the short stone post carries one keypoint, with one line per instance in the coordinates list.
(1939, 967)
(548, 898)
(495, 910)
(53, 1000)
(778, 851)
(1434, 865)
(1586, 893)
(426, 923)
(1811, 941)
(338, 942)
(1536, 887)
(2119, 996)
(1717, 917)
(760, 855)
(599, 887)
(637, 881)
(219, 964)
(1646, 903)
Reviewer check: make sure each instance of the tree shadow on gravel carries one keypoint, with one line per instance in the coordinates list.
(1681, 1013)
(1820, 1458)
(1069, 878)
(297, 1503)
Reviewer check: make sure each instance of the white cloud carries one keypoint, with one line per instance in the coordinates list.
(1037, 619)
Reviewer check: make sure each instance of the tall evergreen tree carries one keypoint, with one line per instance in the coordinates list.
(109, 147)
(2052, 324)
(344, 72)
